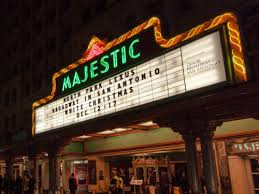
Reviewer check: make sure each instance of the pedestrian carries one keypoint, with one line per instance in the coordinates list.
(164, 182)
(119, 184)
(31, 184)
(113, 183)
(18, 185)
(6, 183)
(1, 183)
(11, 184)
(183, 181)
(72, 184)
(131, 177)
(151, 181)
(25, 183)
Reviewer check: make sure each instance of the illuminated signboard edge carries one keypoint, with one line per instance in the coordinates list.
(227, 18)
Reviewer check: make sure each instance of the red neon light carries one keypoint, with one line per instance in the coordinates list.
(95, 48)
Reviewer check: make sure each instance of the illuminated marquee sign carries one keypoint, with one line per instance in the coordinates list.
(102, 66)
(142, 67)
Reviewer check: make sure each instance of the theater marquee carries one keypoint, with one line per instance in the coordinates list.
(141, 67)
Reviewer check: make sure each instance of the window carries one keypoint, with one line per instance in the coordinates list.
(51, 16)
(15, 45)
(66, 4)
(186, 5)
(28, 62)
(38, 4)
(28, 37)
(38, 54)
(131, 21)
(255, 173)
(15, 21)
(39, 83)
(27, 89)
(6, 99)
(38, 27)
(101, 5)
(9, 29)
(15, 69)
(86, 16)
(9, 52)
(6, 122)
(14, 95)
(154, 7)
(67, 34)
(51, 44)
(113, 2)
(28, 13)
(13, 121)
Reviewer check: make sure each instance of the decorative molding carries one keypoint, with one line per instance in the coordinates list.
(189, 123)
(146, 161)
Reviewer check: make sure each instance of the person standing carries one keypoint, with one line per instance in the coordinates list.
(25, 184)
(72, 184)
(151, 181)
(164, 182)
(6, 184)
(31, 185)
(183, 180)
(18, 185)
(11, 184)
(113, 183)
(1, 183)
(119, 184)
(131, 177)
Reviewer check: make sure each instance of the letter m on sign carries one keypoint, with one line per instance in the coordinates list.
(66, 83)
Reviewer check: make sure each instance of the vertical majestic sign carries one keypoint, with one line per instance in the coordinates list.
(142, 67)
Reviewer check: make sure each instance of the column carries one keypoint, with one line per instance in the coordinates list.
(52, 173)
(55, 146)
(33, 170)
(209, 165)
(36, 174)
(191, 156)
(9, 165)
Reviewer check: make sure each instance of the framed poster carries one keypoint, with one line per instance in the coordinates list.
(92, 172)
(81, 176)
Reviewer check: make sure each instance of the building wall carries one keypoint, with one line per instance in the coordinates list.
(240, 173)
(41, 37)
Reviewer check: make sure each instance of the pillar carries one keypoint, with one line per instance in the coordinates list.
(187, 125)
(209, 165)
(36, 174)
(9, 165)
(192, 168)
(191, 125)
(52, 172)
(55, 146)
(34, 171)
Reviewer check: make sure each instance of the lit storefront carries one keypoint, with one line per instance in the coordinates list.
(161, 150)
(140, 77)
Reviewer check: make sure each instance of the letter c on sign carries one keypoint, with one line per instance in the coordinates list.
(131, 50)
